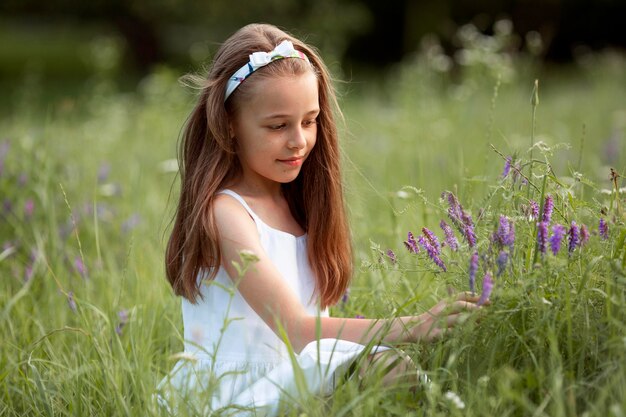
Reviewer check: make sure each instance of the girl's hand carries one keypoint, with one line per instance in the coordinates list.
(433, 324)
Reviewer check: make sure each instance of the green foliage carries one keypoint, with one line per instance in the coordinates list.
(88, 322)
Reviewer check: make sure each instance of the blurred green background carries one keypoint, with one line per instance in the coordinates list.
(72, 39)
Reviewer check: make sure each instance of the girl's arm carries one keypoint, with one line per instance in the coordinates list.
(273, 300)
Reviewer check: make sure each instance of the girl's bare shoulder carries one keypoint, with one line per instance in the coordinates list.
(230, 214)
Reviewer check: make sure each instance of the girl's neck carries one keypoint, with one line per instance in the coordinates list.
(258, 190)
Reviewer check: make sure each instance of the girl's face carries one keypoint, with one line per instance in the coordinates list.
(276, 128)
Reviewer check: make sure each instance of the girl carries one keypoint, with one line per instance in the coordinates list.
(260, 176)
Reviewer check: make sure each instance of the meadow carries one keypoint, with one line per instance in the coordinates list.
(88, 185)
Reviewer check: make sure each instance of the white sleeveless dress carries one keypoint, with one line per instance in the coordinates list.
(233, 362)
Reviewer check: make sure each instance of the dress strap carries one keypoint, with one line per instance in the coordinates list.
(242, 202)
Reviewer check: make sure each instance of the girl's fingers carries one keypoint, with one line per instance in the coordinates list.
(459, 306)
(439, 307)
(468, 296)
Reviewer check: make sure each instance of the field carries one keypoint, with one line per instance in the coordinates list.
(87, 178)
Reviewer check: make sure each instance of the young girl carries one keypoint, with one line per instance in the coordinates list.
(260, 177)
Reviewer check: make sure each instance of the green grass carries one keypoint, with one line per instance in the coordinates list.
(552, 343)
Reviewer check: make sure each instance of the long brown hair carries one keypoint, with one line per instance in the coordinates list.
(208, 161)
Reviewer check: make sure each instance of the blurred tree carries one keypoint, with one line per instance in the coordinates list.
(156, 30)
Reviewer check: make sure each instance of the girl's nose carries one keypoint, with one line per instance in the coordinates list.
(297, 139)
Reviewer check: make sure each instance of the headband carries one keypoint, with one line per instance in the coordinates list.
(258, 60)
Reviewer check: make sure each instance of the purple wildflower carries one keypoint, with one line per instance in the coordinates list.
(505, 235)
(507, 167)
(7, 206)
(584, 234)
(558, 232)
(29, 208)
(573, 235)
(547, 209)
(542, 236)
(534, 210)
(392, 256)
(468, 230)
(473, 267)
(345, 297)
(359, 316)
(411, 244)
(432, 252)
(70, 301)
(80, 267)
(603, 228)
(502, 260)
(122, 315)
(451, 240)
(454, 209)
(434, 241)
(28, 272)
(487, 287)
(460, 218)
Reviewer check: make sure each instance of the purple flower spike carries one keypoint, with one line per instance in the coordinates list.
(345, 296)
(507, 167)
(29, 208)
(487, 287)
(70, 301)
(502, 260)
(573, 235)
(28, 272)
(473, 267)
(603, 228)
(454, 209)
(7, 206)
(558, 232)
(123, 317)
(432, 253)
(392, 256)
(461, 219)
(548, 206)
(434, 241)
(542, 236)
(80, 267)
(411, 244)
(451, 240)
(470, 236)
(584, 234)
(505, 235)
(534, 210)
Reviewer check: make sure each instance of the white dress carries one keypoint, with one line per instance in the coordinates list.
(233, 362)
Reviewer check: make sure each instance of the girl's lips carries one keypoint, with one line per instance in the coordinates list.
(294, 162)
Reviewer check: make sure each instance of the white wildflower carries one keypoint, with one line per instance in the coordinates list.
(454, 399)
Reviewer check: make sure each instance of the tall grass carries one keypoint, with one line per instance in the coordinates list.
(89, 324)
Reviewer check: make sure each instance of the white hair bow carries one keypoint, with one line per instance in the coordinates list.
(257, 60)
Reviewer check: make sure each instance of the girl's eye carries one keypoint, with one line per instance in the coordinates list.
(311, 122)
(277, 127)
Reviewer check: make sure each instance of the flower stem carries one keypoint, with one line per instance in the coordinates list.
(534, 101)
